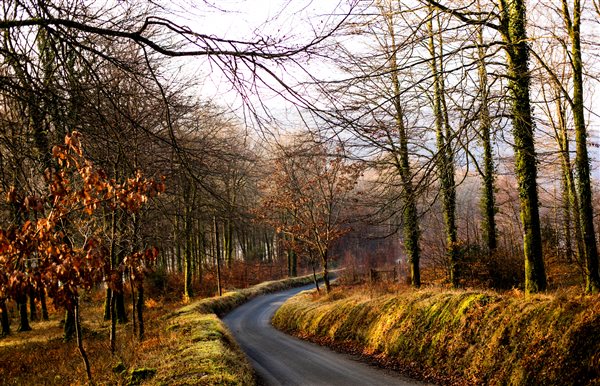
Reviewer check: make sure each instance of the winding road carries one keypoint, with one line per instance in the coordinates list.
(280, 359)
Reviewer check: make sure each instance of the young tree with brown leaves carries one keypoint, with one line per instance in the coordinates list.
(308, 197)
(44, 254)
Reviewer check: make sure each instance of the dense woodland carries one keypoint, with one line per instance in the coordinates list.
(455, 140)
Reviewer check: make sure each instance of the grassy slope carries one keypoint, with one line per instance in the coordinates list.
(465, 336)
(201, 349)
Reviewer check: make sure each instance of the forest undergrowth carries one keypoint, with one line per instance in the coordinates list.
(184, 341)
(41, 356)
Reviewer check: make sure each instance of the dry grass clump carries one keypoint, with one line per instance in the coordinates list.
(475, 337)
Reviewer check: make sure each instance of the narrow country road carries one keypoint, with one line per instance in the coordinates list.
(280, 359)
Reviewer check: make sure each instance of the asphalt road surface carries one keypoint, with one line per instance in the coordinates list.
(280, 359)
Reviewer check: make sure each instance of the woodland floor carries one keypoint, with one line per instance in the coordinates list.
(41, 357)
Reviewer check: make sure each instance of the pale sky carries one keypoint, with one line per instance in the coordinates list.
(293, 21)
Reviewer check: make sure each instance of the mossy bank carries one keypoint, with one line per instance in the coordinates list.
(198, 349)
(463, 337)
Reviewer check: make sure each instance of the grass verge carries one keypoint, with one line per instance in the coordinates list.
(201, 351)
(462, 337)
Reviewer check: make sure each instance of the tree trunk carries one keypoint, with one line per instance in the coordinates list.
(315, 280)
(444, 157)
(218, 256)
(120, 304)
(140, 310)
(43, 304)
(4, 318)
(86, 362)
(133, 303)
(410, 218)
(324, 261)
(228, 242)
(108, 298)
(69, 326)
(177, 241)
(113, 325)
(515, 37)
(187, 267)
(23, 319)
(32, 306)
(582, 161)
(201, 252)
(488, 204)
(566, 212)
(567, 184)
(107, 303)
(292, 258)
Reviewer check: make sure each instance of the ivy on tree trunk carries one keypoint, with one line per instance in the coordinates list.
(582, 162)
(514, 33)
(444, 156)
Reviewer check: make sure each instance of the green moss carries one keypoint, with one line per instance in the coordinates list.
(475, 336)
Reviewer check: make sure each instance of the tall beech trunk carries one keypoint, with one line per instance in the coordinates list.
(119, 297)
(69, 325)
(292, 258)
(177, 240)
(113, 326)
(570, 202)
(582, 162)
(444, 156)
(84, 356)
(43, 304)
(410, 220)
(488, 204)
(201, 252)
(315, 280)
(107, 303)
(108, 297)
(133, 303)
(228, 242)
(326, 274)
(32, 306)
(567, 187)
(188, 292)
(117, 254)
(514, 34)
(140, 310)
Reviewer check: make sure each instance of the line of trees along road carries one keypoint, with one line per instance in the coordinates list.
(443, 92)
(429, 99)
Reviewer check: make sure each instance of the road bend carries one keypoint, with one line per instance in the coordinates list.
(281, 359)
